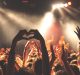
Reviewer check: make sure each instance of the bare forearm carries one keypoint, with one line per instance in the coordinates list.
(11, 60)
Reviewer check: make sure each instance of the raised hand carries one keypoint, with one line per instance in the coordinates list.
(11, 59)
(78, 32)
(53, 55)
(45, 58)
(37, 35)
(20, 35)
(66, 64)
(64, 54)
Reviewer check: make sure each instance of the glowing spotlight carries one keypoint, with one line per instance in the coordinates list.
(60, 5)
(57, 6)
(65, 5)
(46, 22)
(69, 3)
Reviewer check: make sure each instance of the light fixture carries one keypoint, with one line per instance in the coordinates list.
(69, 3)
(60, 5)
(54, 6)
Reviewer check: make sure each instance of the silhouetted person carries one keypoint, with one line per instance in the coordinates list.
(11, 60)
(45, 58)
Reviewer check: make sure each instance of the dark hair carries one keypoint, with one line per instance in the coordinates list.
(24, 71)
(58, 67)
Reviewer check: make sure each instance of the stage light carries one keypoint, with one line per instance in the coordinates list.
(57, 6)
(69, 3)
(46, 22)
(13, 21)
(60, 5)
(65, 5)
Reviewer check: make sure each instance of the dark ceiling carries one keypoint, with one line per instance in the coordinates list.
(27, 5)
(35, 5)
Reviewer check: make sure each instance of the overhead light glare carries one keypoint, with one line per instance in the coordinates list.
(65, 5)
(69, 3)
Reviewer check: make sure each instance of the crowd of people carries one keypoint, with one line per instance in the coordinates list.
(40, 58)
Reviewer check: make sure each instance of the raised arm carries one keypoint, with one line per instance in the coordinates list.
(78, 32)
(66, 64)
(45, 58)
(11, 59)
(53, 56)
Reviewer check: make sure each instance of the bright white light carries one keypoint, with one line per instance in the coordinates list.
(60, 5)
(46, 22)
(69, 3)
(12, 21)
(70, 31)
(57, 6)
(65, 5)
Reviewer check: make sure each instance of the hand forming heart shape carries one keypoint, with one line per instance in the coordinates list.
(23, 34)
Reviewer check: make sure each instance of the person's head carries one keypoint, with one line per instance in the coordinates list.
(24, 71)
(58, 67)
(38, 67)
